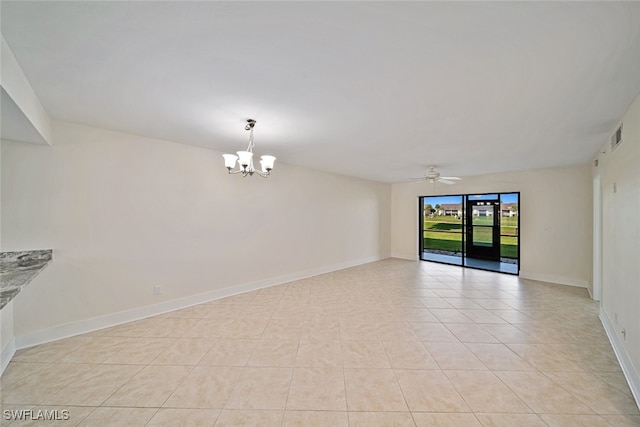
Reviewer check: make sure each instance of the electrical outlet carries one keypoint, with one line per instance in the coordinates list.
(157, 290)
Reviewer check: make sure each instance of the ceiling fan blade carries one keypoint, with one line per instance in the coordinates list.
(445, 181)
(451, 178)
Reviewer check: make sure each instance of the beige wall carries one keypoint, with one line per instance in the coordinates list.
(125, 213)
(555, 219)
(621, 242)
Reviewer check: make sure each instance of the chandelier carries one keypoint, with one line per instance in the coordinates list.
(245, 158)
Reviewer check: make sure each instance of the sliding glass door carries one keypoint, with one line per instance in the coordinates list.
(472, 230)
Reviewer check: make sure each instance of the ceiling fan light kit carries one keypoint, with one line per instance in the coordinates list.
(432, 176)
(244, 159)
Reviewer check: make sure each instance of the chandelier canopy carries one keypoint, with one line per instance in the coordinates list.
(244, 159)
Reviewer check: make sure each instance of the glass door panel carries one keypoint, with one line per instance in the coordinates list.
(482, 236)
(509, 227)
(483, 227)
(441, 229)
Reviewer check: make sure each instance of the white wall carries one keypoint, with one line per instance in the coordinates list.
(21, 116)
(125, 213)
(6, 314)
(555, 219)
(0, 194)
(18, 88)
(620, 303)
(6, 335)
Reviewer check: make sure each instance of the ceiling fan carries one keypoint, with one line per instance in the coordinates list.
(432, 176)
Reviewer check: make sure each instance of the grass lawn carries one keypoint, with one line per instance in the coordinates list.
(509, 226)
(482, 220)
(508, 247)
(443, 241)
(444, 233)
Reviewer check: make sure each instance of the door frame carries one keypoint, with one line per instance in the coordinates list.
(492, 252)
(597, 239)
(423, 252)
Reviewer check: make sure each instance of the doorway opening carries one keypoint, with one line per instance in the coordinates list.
(472, 230)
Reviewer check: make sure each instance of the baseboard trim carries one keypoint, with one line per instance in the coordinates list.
(633, 378)
(559, 280)
(7, 354)
(404, 256)
(84, 326)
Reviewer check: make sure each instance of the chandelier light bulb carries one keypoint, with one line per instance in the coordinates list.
(230, 160)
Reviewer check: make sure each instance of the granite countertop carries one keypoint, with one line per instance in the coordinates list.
(17, 269)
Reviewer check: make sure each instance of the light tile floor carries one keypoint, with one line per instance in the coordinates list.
(388, 343)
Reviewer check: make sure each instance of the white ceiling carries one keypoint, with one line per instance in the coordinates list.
(378, 90)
